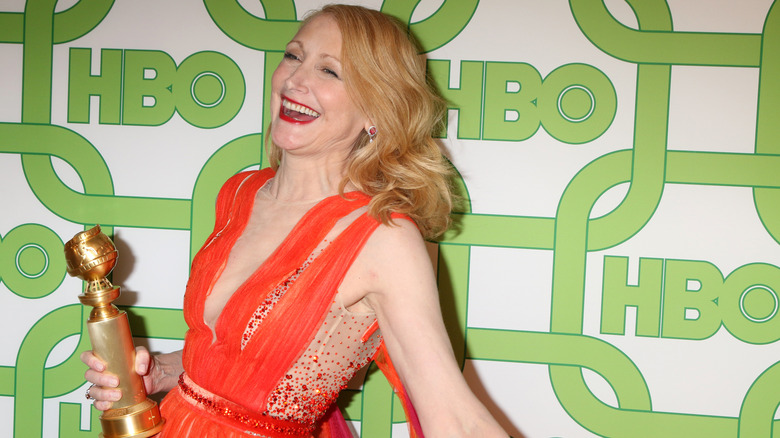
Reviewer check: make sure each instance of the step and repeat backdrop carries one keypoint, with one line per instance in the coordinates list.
(615, 271)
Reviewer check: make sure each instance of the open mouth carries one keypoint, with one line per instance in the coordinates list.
(296, 113)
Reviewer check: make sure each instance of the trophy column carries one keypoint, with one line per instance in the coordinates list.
(91, 256)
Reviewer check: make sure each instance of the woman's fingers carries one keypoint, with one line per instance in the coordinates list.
(92, 361)
(103, 389)
(102, 405)
(104, 397)
(96, 372)
(144, 366)
(101, 379)
(142, 360)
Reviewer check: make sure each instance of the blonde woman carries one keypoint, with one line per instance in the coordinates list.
(317, 265)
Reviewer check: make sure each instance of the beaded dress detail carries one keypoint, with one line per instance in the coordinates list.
(336, 353)
(268, 304)
(283, 346)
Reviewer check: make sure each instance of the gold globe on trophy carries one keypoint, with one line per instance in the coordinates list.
(91, 256)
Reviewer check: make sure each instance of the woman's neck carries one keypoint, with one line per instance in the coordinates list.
(305, 180)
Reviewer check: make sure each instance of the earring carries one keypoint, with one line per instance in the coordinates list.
(371, 133)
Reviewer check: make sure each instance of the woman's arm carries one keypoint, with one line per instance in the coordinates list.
(160, 373)
(404, 295)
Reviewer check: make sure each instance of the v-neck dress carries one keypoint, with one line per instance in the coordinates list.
(284, 346)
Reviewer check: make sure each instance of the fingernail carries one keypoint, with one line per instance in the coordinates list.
(115, 395)
(113, 382)
(142, 368)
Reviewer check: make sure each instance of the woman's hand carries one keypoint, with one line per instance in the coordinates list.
(160, 373)
(103, 390)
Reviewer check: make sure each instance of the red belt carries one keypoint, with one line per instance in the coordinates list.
(257, 424)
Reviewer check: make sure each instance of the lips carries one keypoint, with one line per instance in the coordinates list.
(295, 112)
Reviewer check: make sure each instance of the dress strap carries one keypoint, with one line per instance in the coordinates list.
(306, 303)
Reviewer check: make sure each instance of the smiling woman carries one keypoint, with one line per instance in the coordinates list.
(315, 112)
(317, 265)
(296, 113)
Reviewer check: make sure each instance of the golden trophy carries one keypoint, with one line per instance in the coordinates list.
(91, 256)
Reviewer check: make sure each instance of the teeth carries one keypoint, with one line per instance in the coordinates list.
(299, 108)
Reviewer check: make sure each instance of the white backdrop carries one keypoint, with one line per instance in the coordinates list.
(616, 274)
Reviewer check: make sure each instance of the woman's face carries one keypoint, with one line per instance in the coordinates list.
(311, 110)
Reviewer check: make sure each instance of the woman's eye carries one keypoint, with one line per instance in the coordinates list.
(330, 72)
(291, 56)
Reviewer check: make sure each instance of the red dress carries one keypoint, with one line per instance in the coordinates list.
(283, 346)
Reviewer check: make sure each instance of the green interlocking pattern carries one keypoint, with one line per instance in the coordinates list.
(575, 104)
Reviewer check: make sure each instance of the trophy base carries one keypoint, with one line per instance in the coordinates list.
(140, 420)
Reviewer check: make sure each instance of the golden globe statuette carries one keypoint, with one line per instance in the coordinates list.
(91, 256)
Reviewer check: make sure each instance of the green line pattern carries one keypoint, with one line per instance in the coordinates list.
(646, 166)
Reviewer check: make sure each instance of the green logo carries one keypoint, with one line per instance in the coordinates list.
(673, 301)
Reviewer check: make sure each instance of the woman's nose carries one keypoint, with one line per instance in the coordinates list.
(299, 78)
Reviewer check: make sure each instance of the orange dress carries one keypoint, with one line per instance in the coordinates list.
(284, 346)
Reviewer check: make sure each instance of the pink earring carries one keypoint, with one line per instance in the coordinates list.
(371, 133)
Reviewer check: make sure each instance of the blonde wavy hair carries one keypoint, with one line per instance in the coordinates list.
(403, 169)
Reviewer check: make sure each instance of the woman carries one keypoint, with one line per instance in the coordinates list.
(285, 296)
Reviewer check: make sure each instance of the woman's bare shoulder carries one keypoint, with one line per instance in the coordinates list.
(399, 231)
(397, 264)
(397, 246)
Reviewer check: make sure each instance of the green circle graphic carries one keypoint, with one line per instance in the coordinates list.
(208, 89)
(748, 303)
(32, 260)
(759, 303)
(576, 103)
(32, 264)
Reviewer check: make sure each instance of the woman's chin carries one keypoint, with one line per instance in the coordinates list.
(289, 145)
(287, 140)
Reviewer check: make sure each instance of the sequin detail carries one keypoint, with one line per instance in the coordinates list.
(219, 406)
(333, 357)
(268, 303)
